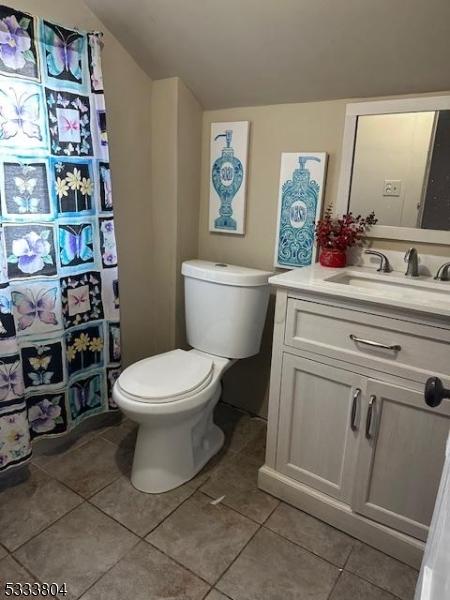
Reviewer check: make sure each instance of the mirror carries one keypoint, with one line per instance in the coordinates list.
(396, 162)
(401, 169)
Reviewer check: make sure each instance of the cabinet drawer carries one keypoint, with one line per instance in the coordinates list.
(347, 335)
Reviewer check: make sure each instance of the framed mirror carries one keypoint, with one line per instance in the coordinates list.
(396, 161)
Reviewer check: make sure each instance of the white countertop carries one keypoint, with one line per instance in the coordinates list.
(422, 294)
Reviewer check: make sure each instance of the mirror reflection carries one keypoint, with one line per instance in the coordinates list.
(401, 169)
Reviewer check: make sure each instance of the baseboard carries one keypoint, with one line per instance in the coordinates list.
(339, 515)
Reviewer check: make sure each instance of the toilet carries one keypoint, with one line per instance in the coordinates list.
(172, 396)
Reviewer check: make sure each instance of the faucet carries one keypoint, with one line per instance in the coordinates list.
(412, 258)
(443, 272)
(385, 266)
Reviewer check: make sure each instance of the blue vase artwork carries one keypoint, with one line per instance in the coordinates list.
(228, 176)
(302, 182)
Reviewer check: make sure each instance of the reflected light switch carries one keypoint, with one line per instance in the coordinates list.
(392, 187)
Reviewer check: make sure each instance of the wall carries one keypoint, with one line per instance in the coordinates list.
(127, 96)
(315, 127)
(176, 136)
(391, 147)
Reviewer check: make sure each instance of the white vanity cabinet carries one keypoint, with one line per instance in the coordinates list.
(350, 437)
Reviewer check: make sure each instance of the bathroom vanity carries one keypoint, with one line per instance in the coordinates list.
(350, 437)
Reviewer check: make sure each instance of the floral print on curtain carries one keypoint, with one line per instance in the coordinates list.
(59, 304)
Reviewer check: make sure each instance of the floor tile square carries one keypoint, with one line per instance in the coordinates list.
(91, 467)
(350, 587)
(384, 571)
(255, 449)
(12, 572)
(314, 535)
(237, 481)
(144, 574)
(77, 549)
(3, 551)
(136, 510)
(273, 568)
(203, 537)
(215, 595)
(45, 451)
(31, 505)
(240, 428)
(219, 460)
(123, 435)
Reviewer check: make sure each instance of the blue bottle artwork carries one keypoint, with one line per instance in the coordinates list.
(227, 194)
(300, 204)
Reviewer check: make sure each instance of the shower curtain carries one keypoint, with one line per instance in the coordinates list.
(59, 304)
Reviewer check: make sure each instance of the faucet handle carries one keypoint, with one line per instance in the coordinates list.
(385, 266)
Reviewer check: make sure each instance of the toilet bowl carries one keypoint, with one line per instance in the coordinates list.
(172, 395)
(176, 435)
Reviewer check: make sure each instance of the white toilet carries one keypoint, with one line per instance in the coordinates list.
(172, 396)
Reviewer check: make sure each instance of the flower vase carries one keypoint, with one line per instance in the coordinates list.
(333, 257)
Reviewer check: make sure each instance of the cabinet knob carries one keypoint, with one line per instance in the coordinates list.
(435, 392)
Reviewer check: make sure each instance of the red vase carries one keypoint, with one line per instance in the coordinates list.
(332, 257)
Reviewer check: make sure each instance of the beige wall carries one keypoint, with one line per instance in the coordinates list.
(127, 94)
(176, 137)
(315, 127)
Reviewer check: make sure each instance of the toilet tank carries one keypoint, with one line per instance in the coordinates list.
(226, 307)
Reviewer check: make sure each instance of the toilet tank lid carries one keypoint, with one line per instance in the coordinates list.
(225, 274)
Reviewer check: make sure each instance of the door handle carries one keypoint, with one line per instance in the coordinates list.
(369, 418)
(435, 392)
(354, 411)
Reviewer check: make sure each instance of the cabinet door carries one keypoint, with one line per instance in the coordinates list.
(401, 454)
(318, 427)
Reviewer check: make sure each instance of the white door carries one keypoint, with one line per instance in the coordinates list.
(434, 580)
(320, 417)
(400, 457)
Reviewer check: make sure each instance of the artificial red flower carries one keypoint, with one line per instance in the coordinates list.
(340, 233)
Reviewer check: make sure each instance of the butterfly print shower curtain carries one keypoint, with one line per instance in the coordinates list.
(59, 305)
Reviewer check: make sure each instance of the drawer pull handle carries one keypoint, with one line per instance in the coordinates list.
(370, 410)
(354, 411)
(358, 340)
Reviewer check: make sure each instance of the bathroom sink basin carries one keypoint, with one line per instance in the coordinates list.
(423, 294)
(392, 286)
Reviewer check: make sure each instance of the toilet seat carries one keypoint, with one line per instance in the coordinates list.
(167, 377)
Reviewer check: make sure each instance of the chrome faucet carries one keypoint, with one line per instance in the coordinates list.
(385, 266)
(412, 258)
(443, 272)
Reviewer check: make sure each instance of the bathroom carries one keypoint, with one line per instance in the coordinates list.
(287, 499)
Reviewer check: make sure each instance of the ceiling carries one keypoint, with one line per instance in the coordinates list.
(253, 52)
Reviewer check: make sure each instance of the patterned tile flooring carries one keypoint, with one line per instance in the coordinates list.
(75, 518)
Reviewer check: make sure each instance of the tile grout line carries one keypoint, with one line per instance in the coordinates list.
(109, 569)
(304, 548)
(236, 557)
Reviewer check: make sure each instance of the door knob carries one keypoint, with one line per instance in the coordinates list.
(435, 392)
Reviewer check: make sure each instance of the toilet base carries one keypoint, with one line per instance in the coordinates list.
(165, 457)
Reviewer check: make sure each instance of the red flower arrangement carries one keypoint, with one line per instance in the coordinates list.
(335, 234)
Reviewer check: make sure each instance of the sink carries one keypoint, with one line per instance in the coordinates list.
(392, 286)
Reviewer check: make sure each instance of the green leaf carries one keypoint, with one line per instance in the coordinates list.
(48, 260)
(59, 421)
(29, 56)
(24, 22)
(12, 258)
(45, 234)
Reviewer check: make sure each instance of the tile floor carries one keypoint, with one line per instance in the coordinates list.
(75, 518)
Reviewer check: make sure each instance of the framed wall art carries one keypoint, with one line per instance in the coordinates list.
(228, 177)
(302, 182)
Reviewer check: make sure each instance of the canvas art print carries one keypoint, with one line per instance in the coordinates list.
(228, 177)
(302, 182)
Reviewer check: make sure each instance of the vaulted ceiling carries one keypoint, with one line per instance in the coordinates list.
(250, 52)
